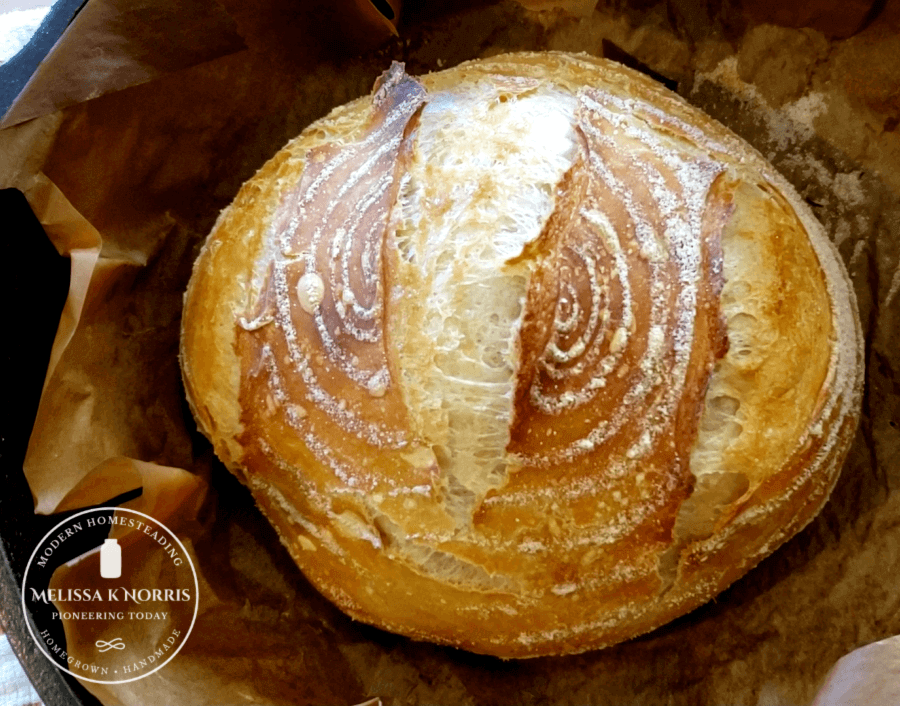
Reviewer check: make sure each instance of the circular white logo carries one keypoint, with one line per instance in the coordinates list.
(110, 595)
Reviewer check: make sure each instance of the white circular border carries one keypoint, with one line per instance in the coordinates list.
(29, 619)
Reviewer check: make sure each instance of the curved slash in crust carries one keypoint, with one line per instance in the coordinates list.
(622, 324)
(324, 289)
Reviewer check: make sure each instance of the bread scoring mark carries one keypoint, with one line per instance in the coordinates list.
(818, 451)
(462, 227)
(324, 289)
(657, 215)
(263, 312)
(422, 555)
(610, 399)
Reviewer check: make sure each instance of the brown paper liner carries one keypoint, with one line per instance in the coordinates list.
(112, 45)
(129, 183)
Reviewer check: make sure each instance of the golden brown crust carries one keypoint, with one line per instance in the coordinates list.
(670, 397)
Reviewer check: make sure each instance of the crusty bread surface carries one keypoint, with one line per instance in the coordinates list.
(527, 356)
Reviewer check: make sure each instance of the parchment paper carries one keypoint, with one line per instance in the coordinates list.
(129, 183)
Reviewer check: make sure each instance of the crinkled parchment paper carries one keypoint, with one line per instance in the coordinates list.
(129, 177)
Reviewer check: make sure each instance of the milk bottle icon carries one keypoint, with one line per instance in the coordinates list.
(111, 559)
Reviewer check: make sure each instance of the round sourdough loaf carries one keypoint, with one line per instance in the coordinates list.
(527, 356)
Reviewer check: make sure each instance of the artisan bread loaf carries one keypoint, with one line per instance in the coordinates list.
(527, 356)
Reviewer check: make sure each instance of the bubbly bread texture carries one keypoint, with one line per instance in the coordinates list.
(527, 356)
